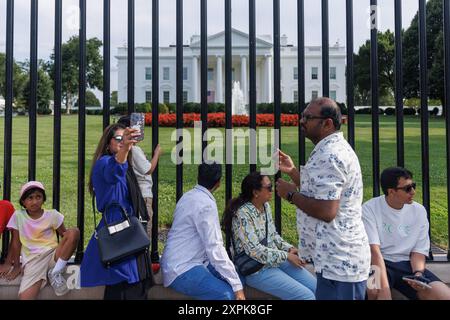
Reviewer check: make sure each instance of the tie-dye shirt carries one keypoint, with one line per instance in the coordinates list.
(36, 235)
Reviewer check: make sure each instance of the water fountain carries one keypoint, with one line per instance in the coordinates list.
(237, 102)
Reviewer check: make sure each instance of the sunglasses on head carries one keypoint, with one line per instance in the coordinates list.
(269, 187)
(407, 188)
(118, 138)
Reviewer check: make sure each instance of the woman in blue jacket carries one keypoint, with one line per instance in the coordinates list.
(129, 278)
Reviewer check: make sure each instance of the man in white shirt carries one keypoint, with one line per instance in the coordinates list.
(397, 228)
(194, 261)
(329, 201)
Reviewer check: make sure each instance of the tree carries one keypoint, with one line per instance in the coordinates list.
(44, 89)
(114, 101)
(386, 65)
(70, 63)
(91, 99)
(435, 57)
(19, 79)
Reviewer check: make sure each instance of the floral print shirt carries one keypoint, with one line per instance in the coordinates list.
(249, 229)
(339, 249)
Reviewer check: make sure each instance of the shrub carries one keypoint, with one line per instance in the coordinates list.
(409, 111)
(389, 111)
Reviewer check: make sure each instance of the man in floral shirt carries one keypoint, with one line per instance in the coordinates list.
(328, 193)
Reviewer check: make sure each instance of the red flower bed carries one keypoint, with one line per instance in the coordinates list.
(218, 120)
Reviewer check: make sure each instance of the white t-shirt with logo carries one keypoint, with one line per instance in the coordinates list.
(398, 232)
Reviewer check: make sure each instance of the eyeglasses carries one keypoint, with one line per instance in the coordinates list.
(407, 188)
(118, 138)
(308, 117)
(269, 187)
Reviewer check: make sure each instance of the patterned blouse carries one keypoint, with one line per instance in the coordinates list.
(249, 229)
(340, 248)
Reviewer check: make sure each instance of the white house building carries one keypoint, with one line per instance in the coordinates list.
(240, 70)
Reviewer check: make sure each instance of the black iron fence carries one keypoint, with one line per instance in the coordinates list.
(204, 91)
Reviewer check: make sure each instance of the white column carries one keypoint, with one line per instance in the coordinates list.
(219, 90)
(268, 78)
(244, 77)
(195, 79)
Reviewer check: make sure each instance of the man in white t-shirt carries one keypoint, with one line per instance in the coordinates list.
(397, 228)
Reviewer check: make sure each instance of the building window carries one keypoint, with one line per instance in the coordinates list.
(166, 96)
(166, 73)
(295, 96)
(185, 73)
(314, 73)
(210, 74)
(148, 96)
(314, 94)
(295, 73)
(333, 94)
(185, 96)
(333, 73)
(148, 73)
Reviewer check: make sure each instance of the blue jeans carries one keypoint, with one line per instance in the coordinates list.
(337, 290)
(286, 282)
(203, 283)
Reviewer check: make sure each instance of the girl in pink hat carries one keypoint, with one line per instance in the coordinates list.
(34, 239)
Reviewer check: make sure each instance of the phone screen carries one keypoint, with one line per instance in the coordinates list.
(137, 121)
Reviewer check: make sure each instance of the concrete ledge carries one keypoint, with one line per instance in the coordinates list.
(9, 290)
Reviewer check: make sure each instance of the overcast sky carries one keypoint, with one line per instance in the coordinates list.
(191, 22)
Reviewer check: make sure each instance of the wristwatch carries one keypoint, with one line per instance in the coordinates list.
(290, 195)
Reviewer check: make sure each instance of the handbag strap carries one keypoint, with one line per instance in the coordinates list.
(106, 208)
(263, 241)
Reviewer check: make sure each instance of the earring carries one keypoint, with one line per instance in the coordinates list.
(256, 196)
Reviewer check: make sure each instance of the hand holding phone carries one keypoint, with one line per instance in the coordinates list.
(418, 280)
(137, 121)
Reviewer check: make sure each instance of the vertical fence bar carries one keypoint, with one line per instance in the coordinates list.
(252, 67)
(155, 125)
(81, 128)
(203, 70)
(350, 76)
(374, 96)
(179, 80)
(130, 58)
(277, 97)
(447, 105)
(424, 111)
(8, 114)
(57, 107)
(106, 61)
(32, 102)
(229, 152)
(399, 84)
(325, 52)
(301, 75)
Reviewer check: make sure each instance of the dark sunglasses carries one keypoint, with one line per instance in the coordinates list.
(308, 117)
(407, 188)
(269, 187)
(118, 138)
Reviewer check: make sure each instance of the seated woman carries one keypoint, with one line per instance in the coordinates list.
(244, 221)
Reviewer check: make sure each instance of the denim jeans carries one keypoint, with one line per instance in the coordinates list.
(286, 282)
(337, 290)
(203, 283)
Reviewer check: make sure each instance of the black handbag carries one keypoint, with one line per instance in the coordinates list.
(121, 239)
(245, 264)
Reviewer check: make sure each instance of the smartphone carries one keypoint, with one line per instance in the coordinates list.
(416, 281)
(137, 121)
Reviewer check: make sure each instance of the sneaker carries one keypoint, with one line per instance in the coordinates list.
(58, 282)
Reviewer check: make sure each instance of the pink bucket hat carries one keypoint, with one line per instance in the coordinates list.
(30, 185)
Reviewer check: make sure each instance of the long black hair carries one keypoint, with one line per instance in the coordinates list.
(252, 182)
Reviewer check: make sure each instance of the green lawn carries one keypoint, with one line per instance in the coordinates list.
(69, 160)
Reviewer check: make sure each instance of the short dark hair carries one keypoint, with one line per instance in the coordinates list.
(390, 176)
(124, 120)
(27, 193)
(209, 174)
(329, 109)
